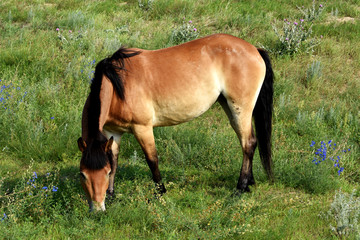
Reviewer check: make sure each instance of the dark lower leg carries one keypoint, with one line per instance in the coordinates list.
(153, 163)
(110, 190)
(246, 175)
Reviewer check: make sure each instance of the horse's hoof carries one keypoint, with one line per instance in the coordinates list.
(160, 189)
(110, 193)
(236, 194)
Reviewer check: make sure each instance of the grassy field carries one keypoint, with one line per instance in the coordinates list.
(48, 51)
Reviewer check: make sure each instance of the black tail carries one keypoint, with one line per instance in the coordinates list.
(111, 67)
(263, 116)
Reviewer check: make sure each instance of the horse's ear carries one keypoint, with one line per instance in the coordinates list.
(108, 144)
(81, 144)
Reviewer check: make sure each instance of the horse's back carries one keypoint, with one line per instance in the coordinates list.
(174, 85)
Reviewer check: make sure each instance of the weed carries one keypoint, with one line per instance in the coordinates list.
(146, 5)
(295, 36)
(184, 33)
(313, 13)
(10, 95)
(334, 12)
(345, 211)
(313, 72)
(328, 151)
(68, 36)
(32, 196)
(88, 70)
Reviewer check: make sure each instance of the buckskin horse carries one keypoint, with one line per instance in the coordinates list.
(136, 90)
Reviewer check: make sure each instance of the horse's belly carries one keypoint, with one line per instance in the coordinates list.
(183, 108)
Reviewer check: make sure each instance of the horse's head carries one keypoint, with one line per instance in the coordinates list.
(95, 168)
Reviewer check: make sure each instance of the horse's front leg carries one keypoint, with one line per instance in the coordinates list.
(115, 152)
(145, 136)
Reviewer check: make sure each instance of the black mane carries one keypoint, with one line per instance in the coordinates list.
(110, 67)
(95, 157)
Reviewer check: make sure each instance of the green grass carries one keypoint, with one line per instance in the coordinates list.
(47, 73)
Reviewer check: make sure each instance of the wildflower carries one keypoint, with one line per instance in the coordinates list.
(70, 31)
(301, 20)
(321, 5)
(35, 175)
(287, 39)
(323, 154)
(54, 189)
(45, 188)
(190, 21)
(195, 29)
(295, 23)
(57, 29)
(52, 118)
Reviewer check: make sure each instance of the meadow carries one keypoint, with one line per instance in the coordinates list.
(48, 52)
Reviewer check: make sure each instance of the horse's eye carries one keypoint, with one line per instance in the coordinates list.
(82, 175)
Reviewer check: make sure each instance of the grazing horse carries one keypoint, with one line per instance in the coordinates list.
(136, 90)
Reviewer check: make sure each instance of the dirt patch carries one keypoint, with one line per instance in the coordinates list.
(345, 19)
(332, 19)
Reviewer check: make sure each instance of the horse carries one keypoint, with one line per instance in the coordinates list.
(135, 90)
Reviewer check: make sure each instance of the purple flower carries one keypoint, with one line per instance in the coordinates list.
(287, 39)
(295, 23)
(54, 189)
(195, 29)
(301, 20)
(57, 29)
(45, 188)
(190, 21)
(321, 5)
(52, 118)
(70, 31)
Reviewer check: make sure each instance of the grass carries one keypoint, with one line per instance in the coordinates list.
(47, 54)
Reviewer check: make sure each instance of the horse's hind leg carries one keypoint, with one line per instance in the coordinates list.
(145, 136)
(240, 118)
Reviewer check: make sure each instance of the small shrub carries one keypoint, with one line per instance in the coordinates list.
(345, 210)
(184, 33)
(146, 5)
(313, 72)
(295, 36)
